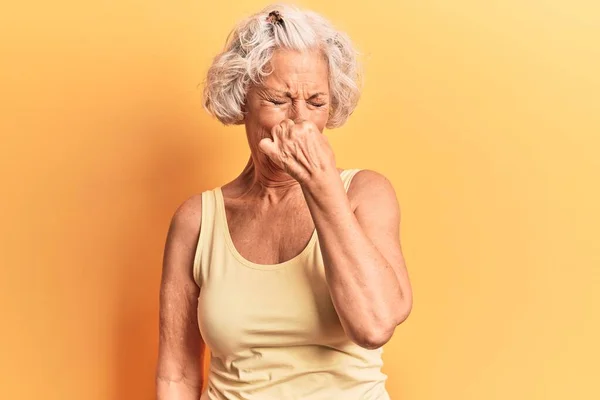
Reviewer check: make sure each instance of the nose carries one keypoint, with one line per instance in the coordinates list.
(298, 112)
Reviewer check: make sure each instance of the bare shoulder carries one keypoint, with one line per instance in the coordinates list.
(370, 187)
(182, 238)
(187, 217)
(180, 341)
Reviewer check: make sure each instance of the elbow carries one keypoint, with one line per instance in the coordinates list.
(373, 342)
(404, 312)
(374, 338)
(373, 335)
(381, 333)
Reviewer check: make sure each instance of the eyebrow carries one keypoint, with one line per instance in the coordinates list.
(289, 94)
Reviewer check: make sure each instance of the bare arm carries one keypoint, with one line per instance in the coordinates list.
(363, 259)
(364, 265)
(179, 367)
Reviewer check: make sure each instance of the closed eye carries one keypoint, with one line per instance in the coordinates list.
(277, 102)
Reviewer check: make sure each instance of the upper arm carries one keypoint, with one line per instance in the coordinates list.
(180, 343)
(378, 213)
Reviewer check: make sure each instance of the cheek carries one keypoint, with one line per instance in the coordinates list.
(267, 117)
(264, 117)
(319, 117)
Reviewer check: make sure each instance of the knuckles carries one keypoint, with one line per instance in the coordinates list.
(288, 131)
(301, 128)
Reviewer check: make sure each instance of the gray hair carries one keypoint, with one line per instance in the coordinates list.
(249, 49)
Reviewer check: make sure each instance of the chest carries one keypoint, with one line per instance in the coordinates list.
(270, 237)
(241, 308)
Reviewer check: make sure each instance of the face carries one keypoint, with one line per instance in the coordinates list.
(297, 89)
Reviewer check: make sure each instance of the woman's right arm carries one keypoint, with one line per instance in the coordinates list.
(179, 367)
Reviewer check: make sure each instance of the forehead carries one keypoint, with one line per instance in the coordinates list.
(292, 68)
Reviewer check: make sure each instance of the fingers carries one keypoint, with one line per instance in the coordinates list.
(271, 150)
(270, 147)
(286, 128)
(267, 146)
(287, 123)
(276, 147)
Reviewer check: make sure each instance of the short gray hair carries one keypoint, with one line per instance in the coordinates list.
(249, 49)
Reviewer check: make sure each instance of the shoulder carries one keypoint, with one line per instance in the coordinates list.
(181, 243)
(372, 187)
(368, 181)
(185, 222)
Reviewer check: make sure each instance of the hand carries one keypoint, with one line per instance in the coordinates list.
(300, 149)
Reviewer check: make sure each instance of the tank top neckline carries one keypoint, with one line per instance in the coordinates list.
(243, 260)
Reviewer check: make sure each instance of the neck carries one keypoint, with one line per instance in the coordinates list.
(264, 176)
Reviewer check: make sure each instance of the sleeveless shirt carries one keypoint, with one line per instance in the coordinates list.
(272, 329)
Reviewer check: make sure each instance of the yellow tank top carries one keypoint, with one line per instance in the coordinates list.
(272, 330)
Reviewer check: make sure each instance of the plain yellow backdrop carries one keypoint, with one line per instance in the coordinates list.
(485, 115)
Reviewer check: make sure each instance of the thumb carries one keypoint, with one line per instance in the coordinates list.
(267, 146)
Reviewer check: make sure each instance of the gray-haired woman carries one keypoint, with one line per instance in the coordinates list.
(292, 274)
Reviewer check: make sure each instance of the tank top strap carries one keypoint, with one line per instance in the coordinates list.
(213, 235)
(207, 227)
(347, 176)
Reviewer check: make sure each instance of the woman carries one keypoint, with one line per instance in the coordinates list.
(291, 274)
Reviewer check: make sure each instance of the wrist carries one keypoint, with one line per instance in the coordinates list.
(322, 179)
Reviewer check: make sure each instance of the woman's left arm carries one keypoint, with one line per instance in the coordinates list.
(361, 250)
(364, 265)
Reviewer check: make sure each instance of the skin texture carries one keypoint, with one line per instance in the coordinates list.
(290, 185)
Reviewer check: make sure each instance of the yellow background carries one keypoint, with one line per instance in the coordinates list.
(485, 115)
